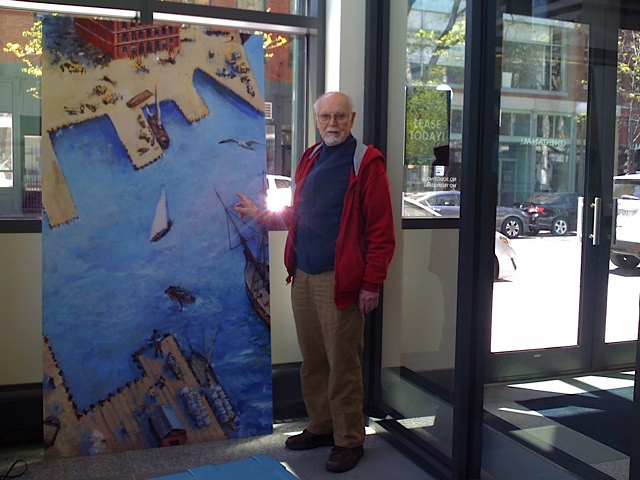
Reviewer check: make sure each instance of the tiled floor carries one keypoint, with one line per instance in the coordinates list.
(381, 460)
(501, 401)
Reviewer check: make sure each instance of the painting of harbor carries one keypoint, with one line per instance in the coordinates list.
(150, 336)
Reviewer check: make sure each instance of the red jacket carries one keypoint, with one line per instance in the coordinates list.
(366, 240)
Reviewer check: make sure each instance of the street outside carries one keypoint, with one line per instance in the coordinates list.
(538, 307)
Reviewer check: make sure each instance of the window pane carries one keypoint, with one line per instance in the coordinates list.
(505, 123)
(435, 77)
(535, 55)
(281, 64)
(19, 115)
(521, 124)
(6, 154)
(32, 180)
(417, 377)
(544, 151)
(526, 63)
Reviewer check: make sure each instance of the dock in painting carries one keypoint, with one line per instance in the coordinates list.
(170, 403)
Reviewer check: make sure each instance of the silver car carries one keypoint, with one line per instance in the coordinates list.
(509, 221)
(625, 245)
(504, 254)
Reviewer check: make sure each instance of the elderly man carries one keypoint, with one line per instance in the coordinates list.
(340, 243)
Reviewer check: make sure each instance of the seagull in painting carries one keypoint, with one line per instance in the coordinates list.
(248, 144)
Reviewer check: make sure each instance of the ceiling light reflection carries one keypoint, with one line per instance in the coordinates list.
(69, 9)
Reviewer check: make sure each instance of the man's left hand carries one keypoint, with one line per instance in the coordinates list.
(368, 301)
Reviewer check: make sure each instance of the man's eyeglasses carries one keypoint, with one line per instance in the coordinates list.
(326, 117)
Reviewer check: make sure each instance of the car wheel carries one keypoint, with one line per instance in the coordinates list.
(560, 226)
(511, 227)
(625, 261)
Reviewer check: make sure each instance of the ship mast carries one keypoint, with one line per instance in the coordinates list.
(246, 249)
(158, 112)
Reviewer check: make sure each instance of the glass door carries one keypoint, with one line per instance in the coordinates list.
(623, 281)
(569, 116)
(543, 126)
(565, 327)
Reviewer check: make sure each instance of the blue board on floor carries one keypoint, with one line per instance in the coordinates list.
(258, 467)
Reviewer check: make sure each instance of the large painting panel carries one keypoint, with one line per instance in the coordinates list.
(155, 295)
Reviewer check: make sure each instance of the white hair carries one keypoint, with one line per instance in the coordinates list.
(347, 98)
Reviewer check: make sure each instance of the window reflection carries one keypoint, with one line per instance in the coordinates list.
(534, 55)
(6, 153)
(19, 115)
(541, 141)
(435, 76)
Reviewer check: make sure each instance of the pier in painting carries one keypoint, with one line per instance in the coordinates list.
(129, 418)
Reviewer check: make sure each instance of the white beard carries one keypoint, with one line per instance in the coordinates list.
(332, 139)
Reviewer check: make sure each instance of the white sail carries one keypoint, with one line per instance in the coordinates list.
(161, 221)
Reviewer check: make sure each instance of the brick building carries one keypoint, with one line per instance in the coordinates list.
(128, 39)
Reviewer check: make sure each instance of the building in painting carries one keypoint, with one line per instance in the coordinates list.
(128, 39)
(167, 427)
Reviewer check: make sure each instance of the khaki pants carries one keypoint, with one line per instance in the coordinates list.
(331, 342)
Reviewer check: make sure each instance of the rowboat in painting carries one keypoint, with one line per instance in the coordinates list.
(139, 98)
(180, 295)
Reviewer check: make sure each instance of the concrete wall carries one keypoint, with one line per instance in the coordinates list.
(20, 308)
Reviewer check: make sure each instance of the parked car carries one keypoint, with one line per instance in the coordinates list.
(625, 245)
(411, 208)
(278, 192)
(504, 255)
(556, 212)
(505, 258)
(509, 221)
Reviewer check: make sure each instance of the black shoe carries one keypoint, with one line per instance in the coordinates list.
(307, 440)
(343, 459)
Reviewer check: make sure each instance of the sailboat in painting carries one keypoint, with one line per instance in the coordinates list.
(161, 221)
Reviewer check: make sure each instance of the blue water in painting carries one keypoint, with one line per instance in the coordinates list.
(104, 281)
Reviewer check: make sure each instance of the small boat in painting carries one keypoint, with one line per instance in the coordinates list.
(180, 295)
(139, 98)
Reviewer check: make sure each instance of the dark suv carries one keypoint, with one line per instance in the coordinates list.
(556, 212)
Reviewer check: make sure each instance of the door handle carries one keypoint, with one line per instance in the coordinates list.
(597, 212)
(615, 223)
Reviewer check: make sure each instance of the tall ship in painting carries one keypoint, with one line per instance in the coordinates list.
(257, 278)
(155, 123)
(256, 273)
